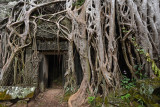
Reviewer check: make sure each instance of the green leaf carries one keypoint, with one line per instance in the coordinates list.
(141, 52)
(153, 65)
(159, 73)
(133, 38)
(138, 50)
(147, 54)
(156, 70)
(135, 66)
(123, 28)
(136, 72)
(148, 59)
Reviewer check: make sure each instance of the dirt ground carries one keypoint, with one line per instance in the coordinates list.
(52, 97)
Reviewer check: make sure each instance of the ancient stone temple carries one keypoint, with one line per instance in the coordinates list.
(45, 61)
(51, 62)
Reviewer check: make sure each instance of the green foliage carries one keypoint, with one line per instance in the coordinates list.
(146, 90)
(155, 69)
(97, 101)
(138, 72)
(133, 39)
(140, 95)
(148, 58)
(91, 100)
(154, 66)
(126, 96)
(69, 89)
(78, 3)
(141, 51)
(141, 103)
(3, 105)
(124, 30)
(144, 94)
(127, 83)
(67, 94)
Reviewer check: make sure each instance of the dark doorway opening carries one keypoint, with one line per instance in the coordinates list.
(78, 67)
(55, 71)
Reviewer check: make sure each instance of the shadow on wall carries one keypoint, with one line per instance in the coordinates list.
(52, 68)
(55, 70)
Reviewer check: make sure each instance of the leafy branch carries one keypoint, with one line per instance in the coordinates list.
(148, 58)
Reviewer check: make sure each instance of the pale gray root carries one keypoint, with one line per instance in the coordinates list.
(139, 17)
(94, 35)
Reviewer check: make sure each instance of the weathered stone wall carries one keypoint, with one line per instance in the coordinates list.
(5, 8)
(52, 45)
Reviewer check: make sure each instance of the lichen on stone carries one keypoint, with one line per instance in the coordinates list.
(13, 92)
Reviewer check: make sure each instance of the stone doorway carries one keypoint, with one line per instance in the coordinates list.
(51, 70)
(55, 71)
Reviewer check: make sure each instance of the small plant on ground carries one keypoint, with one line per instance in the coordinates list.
(91, 100)
(141, 103)
(139, 70)
(126, 96)
(127, 83)
(68, 93)
(97, 101)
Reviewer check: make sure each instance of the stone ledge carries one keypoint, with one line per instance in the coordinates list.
(14, 92)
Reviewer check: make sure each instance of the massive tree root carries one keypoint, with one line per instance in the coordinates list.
(94, 35)
(139, 20)
(101, 30)
(95, 22)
